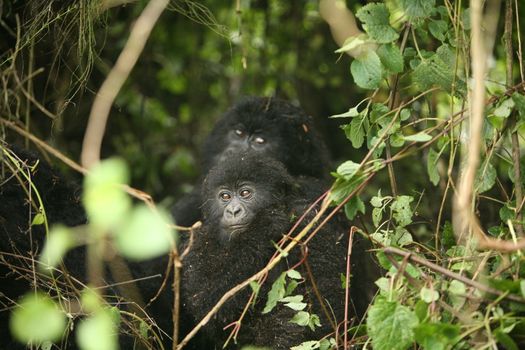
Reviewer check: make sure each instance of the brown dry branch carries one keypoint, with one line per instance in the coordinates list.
(466, 224)
(441, 270)
(115, 80)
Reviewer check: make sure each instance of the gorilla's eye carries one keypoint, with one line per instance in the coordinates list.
(245, 193)
(225, 196)
(239, 132)
(260, 140)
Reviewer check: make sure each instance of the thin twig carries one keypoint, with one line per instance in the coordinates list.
(436, 268)
(347, 284)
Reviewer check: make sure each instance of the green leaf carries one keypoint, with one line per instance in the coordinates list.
(432, 159)
(505, 340)
(377, 201)
(402, 237)
(294, 302)
(457, 293)
(419, 137)
(98, 332)
(276, 293)
(376, 22)
(485, 177)
(352, 112)
(438, 29)
(38, 219)
(357, 44)
(354, 206)
(348, 169)
(391, 58)
(37, 319)
(145, 234)
(104, 198)
(294, 274)
(367, 70)
(519, 102)
(357, 131)
(434, 72)
(57, 245)
(415, 9)
(391, 325)
(342, 189)
(303, 319)
(307, 345)
(504, 108)
(436, 336)
(428, 295)
(377, 215)
(522, 287)
(402, 210)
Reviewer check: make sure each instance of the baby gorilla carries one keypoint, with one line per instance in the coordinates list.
(266, 126)
(249, 201)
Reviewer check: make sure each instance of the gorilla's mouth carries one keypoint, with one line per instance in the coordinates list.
(231, 231)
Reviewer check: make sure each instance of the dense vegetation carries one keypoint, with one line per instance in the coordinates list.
(430, 164)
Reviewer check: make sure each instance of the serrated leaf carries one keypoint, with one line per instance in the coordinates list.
(402, 210)
(57, 244)
(436, 336)
(402, 237)
(377, 215)
(485, 177)
(391, 325)
(276, 293)
(504, 108)
(367, 70)
(348, 169)
(415, 9)
(302, 318)
(357, 132)
(428, 295)
(438, 29)
(434, 72)
(419, 137)
(37, 319)
(354, 206)
(391, 58)
(376, 22)
(145, 234)
(294, 274)
(432, 159)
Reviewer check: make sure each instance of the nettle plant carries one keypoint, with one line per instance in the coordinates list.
(116, 225)
(442, 287)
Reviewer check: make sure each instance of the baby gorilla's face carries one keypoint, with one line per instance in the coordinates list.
(237, 207)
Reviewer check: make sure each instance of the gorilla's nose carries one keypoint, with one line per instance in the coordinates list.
(234, 211)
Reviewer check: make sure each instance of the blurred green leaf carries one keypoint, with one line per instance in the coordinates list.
(99, 331)
(57, 244)
(104, 198)
(367, 70)
(145, 234)
(37, 319)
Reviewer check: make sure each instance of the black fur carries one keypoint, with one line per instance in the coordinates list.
(289, 136)
(215, 265)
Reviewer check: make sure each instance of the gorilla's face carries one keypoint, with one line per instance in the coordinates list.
(242, 139)
(238, 205)
(244, 192)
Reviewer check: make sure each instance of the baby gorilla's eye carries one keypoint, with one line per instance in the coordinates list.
(225, 196)
(239, 132)
(260, 140)
(245, 193)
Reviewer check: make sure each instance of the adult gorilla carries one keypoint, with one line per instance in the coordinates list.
(249, 201)
(265, 126)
